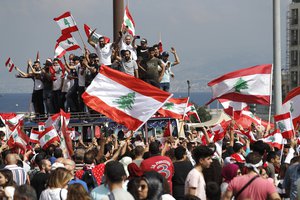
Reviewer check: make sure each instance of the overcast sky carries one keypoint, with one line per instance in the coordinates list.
(212, 37)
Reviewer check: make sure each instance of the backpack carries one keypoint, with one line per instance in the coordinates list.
(89, 178)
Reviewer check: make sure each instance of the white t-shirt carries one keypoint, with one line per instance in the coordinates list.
(104, 53)
(129, 47)
(38, 84)
(168, 72)
(195, 179)
(81, 78)
(58, 80)
(68, 83)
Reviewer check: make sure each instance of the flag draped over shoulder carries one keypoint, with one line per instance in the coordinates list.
(285, 125)
(66, 23)
(249, 85)
(292, 104)
(174, 107)
(128, 22)
(124, 98)
(66, 42)
(95, 36)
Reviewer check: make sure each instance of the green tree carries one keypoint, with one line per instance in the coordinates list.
(240, 85)
(126, 101)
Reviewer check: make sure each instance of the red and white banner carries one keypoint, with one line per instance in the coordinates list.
(48, 137)
(249, 85)
(66, 23)
(95, 36)
(219, 131)
(65, 138)
(285, 125)
(174, 107)
(292, 104)
(124, 98)
(274, 139)
(9, 64)
(18, 139)
(128, 22)
(34, 136)
(66, 42)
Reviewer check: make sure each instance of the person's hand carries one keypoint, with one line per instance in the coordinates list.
(173, 50)
(29, 62)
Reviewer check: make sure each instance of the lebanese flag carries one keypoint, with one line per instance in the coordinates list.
(247, 117)
(41, 126)
(95, 36)
(18, 139)
(9, 64)
(65, 43)
(292, 104)
(123, 98)
(66, 142)
(160, 47)
(219, 131)
(48, 137)
(128, 22)
(34, 136)
(274, 139)
(232, 108)
(285, 125)
(191, 110)
(249, 85)
(66, 23)
(53, 120)
(174, 107)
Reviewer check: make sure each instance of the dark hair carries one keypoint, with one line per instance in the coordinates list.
(58, 153)
(25, 192)
(201, 152)
(271, 155)
(253, 158)
(155, 185)
(154, 148)
(9, 176)
(138, 151)
(100, 38)
(191, 197)
(260, 147)
(179, 152)
(39, 157)
(156, 46)
(89, 157)
(77, 191)
(2, 134)
(213, 191)
(55, 59)
(133, 186)
(150, 49)
(114, 171)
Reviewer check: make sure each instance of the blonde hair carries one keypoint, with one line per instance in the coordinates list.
(59, 178)
(77, 191)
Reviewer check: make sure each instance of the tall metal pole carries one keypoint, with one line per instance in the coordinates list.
(277, 56)
(118, 10)
(189, 87)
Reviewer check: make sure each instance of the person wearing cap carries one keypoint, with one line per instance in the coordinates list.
(259, 188)
(165, 82)
(142, 49)
(103, 50)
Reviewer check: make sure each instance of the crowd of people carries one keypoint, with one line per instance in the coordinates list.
(59, 85)
(189, 167)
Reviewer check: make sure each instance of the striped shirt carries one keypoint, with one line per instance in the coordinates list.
(19, 174)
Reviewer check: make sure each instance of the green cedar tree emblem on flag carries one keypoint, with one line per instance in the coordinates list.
(281, 127)
(169, 105)
(271, 139)
(47, 138)
(240, 85)
(126, 101)
(66, 22)
(70, 42)
(193, 109)
(128, 23)
(291, 107)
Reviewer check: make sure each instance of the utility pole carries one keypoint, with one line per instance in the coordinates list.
(118, 14)
(277, 57)
(189, 87)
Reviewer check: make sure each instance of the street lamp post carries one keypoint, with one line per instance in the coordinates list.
(189, 87)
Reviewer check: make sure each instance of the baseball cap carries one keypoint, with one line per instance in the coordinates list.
(143, 40)
(48, 62)
(165, 54)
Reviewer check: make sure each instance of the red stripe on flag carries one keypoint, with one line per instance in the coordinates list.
(7, 62)
(258, 69)
(87, 30)
(292, 94)
(118, 116)
(129, 15)
(66, 14)
(11, 67)
(50, 142)
(70, 29)
(134, 84)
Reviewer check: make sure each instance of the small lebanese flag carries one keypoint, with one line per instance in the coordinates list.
(285, 125)
(53, 120)
(249, 85)
(128, 22)
(219, 131)
(123, 98)
(292, 104)
(66, 23)
(48, 137)
(191, 110)
(18, 138)
(274, 139)
(9, 64)
(41, 126)
(95, 36)
(65, 43)
(34, 136)
(232, 108)
(174, 107)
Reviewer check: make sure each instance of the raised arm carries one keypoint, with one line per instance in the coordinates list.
(90, 41)
(177, 61)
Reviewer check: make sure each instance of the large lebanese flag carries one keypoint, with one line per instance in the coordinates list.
(66, 23)
(48, 137)
(95, 36)
(174, 107)
(285, 125)
(250, 85)
(128, 22)
(274, 139)
(292, 104)
(232, 108)
(124, 98)
(66, 42)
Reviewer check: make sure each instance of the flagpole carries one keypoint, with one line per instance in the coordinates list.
(146, 132)
(271, 98)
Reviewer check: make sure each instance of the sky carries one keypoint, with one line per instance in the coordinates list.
(212, 37)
